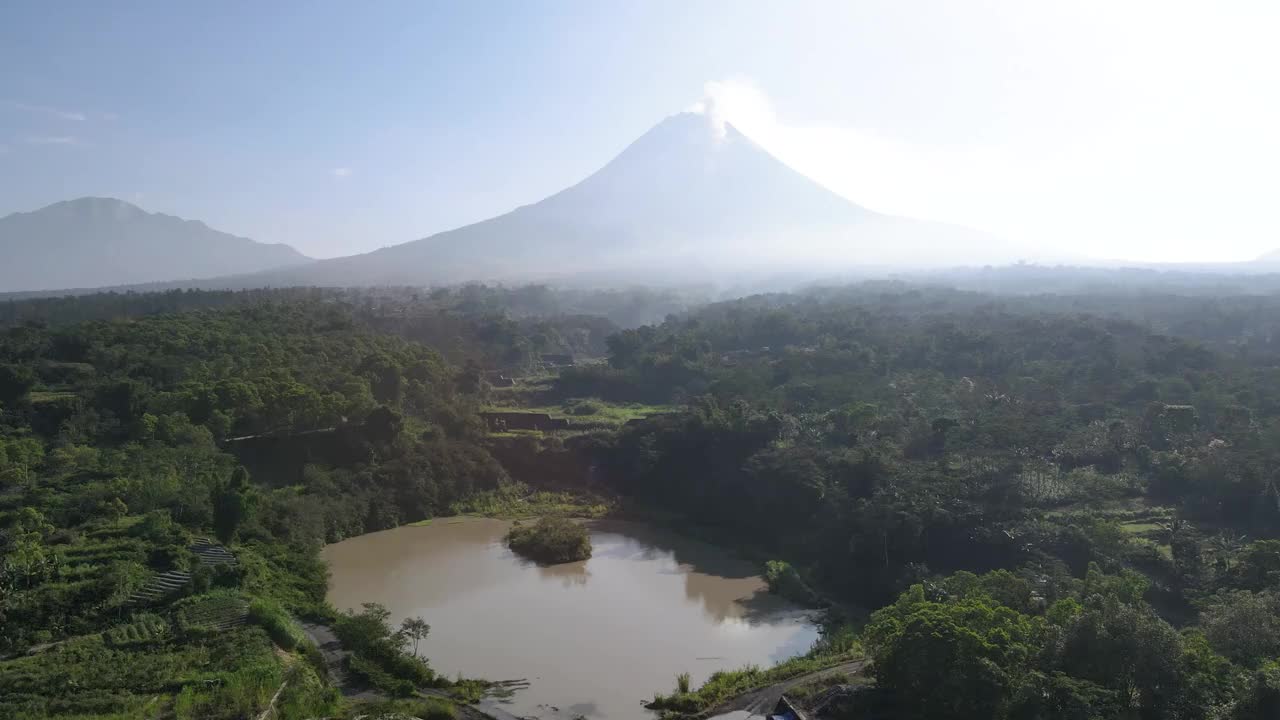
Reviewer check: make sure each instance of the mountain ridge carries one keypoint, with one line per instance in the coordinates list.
(102, 241)
(686, 201)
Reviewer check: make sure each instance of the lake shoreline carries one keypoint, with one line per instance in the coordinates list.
(595, 638)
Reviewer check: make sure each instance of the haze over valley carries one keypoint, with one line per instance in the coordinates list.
(726, 360)
(692, 201)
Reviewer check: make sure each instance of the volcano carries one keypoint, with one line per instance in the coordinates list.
(685, 200)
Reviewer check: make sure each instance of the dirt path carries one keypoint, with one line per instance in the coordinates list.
(762, 701)
(334, 655)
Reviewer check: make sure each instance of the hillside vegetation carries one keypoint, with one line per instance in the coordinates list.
(117, 454)
(1053, 507)
(1064, 515)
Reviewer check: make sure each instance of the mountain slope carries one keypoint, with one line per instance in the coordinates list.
(95, 242)
(683, 198)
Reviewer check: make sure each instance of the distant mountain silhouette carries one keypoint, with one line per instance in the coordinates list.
(94, 242)
(1271, 258)
(683, 199)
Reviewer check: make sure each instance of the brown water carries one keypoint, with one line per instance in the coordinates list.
(594, 638)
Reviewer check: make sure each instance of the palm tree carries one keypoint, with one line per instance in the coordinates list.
(1227, 544)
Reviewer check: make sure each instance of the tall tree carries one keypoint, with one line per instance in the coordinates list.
(15, 382)
(233, 504)
(415, 629)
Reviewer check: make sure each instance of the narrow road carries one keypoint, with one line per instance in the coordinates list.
(334, 655)
(762, 701)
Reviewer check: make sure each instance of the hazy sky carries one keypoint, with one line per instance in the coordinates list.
(1140, 130)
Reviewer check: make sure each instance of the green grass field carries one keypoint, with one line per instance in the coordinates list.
(1140, 528)
(587, 412)
(39, 397)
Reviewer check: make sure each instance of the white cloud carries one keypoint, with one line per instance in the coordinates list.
(55, 112)
(340, 172)
(735, 100)
(1120, 188)
(52, 140)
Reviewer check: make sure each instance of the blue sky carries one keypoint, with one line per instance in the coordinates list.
(1145, 131)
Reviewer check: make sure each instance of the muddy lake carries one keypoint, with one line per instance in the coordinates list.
(593, 638)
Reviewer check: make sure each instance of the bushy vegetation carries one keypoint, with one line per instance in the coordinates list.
(221, 676)
(518, 501)
(377, 650)
(881, 437)
(1065, 505)
(144, 628)
(269, 424)
(271, 617)
(974, 647)
(785, 580)
(726, 684)
(551, 540)
(306, 694)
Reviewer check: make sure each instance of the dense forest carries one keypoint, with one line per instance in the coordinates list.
(629, 307)
(1051, 506)
(1113, 486)
(118, 454)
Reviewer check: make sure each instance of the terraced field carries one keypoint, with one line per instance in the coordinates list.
(145, 628)
(213, 612)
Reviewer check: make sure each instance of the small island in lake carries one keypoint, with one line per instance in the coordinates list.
(551, 540)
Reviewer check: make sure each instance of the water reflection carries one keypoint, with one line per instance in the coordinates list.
(644, 542)
(708, 571)
(567, 574)
(594, 638)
